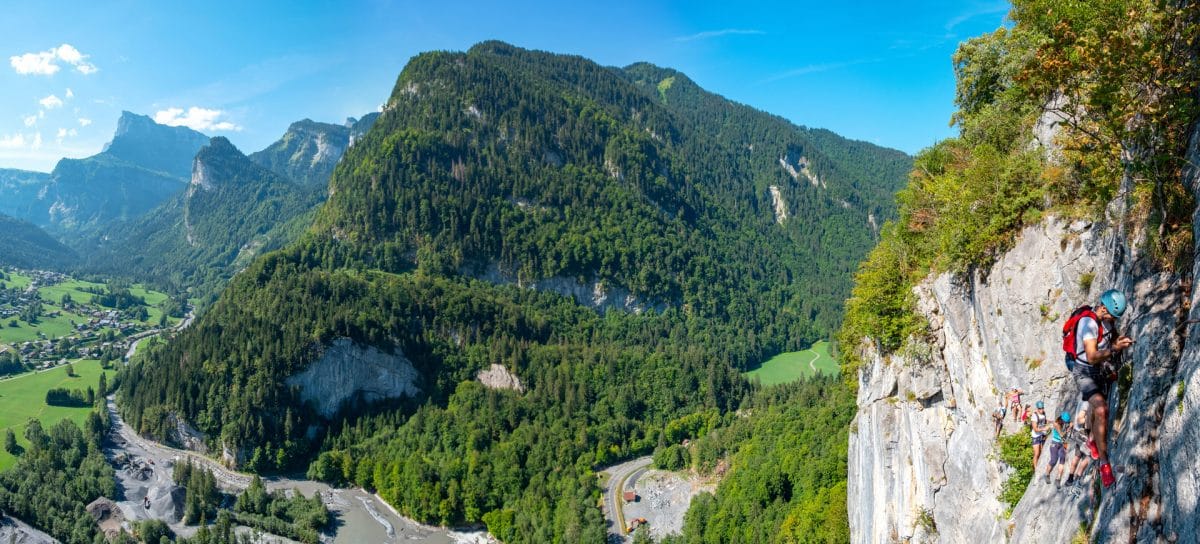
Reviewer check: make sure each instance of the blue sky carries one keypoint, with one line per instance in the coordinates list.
(878, 72)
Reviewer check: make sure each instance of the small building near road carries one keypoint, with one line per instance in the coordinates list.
(631, 496)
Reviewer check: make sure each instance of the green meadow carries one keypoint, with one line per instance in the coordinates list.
(794, 365)
(24, 397)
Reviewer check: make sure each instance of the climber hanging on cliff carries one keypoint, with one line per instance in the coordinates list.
(1038, 434)
(1096, 353)
(998, 416)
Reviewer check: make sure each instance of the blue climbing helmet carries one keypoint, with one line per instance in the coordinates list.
(1066, 416)
(1114, 300)
(1040, 405)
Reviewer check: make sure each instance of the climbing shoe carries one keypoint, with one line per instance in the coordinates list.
(1106, 475)
(1092, 449)
(1071, 479)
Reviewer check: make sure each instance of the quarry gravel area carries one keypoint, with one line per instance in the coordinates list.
(663, 499)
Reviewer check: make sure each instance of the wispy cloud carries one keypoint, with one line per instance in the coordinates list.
(718, 33)
(84, 121)
(13, 141)
(978, 11)
(816, 68)
(195, 118)
(45, 63)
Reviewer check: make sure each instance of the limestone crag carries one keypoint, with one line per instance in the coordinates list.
(923, 463)
(594, 294)
(347, 372)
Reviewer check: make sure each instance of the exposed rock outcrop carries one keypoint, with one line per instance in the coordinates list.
(498, 377)
(922, 441)
(347, 372)
(780, 205)
(595, 293)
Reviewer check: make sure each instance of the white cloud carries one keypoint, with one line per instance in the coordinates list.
(84, 121)
(51, 102)
(195, 118)
(37, 141)
(31, 120)
(70, 94)
(45, 63)
(64, 133)
(15, 141)
(35, 63)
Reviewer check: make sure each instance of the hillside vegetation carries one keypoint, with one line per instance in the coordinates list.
(1118, 78)
(507, 163)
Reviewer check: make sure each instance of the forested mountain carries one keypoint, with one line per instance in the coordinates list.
(144, 165)
(309, 150)
(232, 210)
(20, 195)
(499, 166)
(24, 245)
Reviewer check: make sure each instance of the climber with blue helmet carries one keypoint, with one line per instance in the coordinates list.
(1098, 348)
(1059, 432)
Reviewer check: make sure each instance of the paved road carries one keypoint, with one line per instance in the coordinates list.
(139, 337)
(622, 477)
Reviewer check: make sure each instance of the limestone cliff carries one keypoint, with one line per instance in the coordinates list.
(923, 462)
(348, 372)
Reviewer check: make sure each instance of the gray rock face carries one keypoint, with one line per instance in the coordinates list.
(595, 294)
(15, 531)
(347, 371)
(922, 441)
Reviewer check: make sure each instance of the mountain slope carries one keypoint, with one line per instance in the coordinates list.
(23, 245)
(144, 165)
(309, 150)
(231, 210)
(21, 195)
(1074, 172)
(495, 182)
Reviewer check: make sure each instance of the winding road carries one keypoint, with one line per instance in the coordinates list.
(621, 477)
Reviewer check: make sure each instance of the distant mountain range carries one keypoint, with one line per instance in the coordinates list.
(24, 245)
(309, 150)
(144, 164)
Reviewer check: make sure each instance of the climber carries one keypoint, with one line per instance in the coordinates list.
(1097, 349)
(1025, 413)
(1039, 431)
(1014, 402)
(1079, 440)
(998, 416)
(1059, 432)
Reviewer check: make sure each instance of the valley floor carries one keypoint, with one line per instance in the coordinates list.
(144, 470)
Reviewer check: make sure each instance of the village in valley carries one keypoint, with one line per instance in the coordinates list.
(48, 319)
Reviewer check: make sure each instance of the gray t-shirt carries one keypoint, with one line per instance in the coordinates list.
(1089, 329)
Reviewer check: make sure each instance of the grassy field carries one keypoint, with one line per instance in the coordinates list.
(17, 280)
(24, 397)
(791, 366)
(52, 296)
(52, 327)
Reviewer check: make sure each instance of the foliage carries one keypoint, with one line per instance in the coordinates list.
(1016, 451)
(198, 239)
(153, 531)
(24, 245)
(298, 517)
(60, 472)
(538, 166)
(1120, 78)
(787, 481)
(201, 497)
